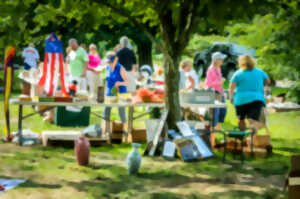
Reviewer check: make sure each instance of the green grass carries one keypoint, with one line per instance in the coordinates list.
(52, 172)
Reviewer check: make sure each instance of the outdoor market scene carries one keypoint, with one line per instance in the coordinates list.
(149, 99)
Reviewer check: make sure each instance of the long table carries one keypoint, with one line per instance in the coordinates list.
(130, 106)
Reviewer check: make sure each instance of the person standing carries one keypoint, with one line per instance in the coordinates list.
(246, 92)
(31, 75)
(78, 64)
(191, 78)
(127, 59)
(214, 81)
(31, 57)
(116, 78)
(94, 72)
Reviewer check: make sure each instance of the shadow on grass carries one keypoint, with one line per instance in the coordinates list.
(33, 184)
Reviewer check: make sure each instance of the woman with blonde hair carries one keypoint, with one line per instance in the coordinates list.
(246, 92)
(188, 75)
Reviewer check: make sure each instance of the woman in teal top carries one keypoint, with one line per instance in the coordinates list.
(246, 91)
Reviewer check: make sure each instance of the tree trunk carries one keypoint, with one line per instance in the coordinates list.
(171, 72)
(145, 53)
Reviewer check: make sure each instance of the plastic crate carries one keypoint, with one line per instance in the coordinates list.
(198, 97)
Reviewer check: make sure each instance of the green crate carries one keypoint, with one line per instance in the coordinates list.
(64, 117)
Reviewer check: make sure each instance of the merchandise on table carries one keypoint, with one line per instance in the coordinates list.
(198, 97)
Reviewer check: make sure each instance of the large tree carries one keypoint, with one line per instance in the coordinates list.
(177, 20)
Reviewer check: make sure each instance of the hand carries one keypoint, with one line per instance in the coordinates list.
(117, 84)
(83, 74)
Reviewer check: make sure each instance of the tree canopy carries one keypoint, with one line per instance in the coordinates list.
(168, 24)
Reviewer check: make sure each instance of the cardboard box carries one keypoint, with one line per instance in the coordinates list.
(262, 141)
(294, 178)
(187, 150)
(117, 130)
(63, 99)
(137, 135)
(295, 163)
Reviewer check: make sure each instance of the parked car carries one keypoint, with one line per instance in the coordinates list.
(202, 59)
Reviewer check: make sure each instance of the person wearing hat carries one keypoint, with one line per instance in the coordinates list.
(214, 80)
(116, 79)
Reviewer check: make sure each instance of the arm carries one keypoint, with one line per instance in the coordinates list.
(267, 82)
(192, 81)
(231, 91)
(124, 77)
(86, 64)
(98, 60)
(266, 78)
(85, 69)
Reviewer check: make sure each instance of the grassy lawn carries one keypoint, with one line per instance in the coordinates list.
(52, 172)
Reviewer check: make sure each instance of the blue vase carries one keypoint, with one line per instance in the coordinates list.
(134, 159)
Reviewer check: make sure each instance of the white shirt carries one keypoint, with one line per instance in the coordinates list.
(31, 56)
(195, 77)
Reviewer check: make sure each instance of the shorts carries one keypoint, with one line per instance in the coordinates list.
(27, 66)
(251, 110)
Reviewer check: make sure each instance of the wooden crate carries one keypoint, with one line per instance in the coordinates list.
(117, 130)
(294, 178)
(65, 136)
(137, 135)
(262, 141)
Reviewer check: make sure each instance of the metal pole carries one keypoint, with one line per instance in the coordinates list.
(20, 124)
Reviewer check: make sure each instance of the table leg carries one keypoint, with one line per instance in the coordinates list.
(212, 129)
(108, 130)
(225, 147)
(130, 122)
(20, 125)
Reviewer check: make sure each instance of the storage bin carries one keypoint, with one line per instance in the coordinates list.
(72, 116)
(198, 97)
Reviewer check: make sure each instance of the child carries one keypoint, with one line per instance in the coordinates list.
(192, 79)
(73, 88)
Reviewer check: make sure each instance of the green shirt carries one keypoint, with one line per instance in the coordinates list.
(78, 62)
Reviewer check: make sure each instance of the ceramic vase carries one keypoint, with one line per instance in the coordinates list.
(82, 150)
(134, 159)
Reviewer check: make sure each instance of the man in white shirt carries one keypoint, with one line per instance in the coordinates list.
(31, 57)
(31, 73)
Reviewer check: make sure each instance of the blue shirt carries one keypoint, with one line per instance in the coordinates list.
(249, 86)
(112, 77)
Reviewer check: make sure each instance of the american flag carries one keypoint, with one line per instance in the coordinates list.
(53, 68)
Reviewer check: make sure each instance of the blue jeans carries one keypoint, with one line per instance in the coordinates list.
(219, 114)
(122, 114)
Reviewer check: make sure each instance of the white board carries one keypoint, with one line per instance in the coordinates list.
(158, 132)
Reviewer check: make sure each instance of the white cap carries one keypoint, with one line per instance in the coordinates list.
(217, 55)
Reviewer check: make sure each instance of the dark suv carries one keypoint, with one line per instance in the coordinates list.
(202, 59)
